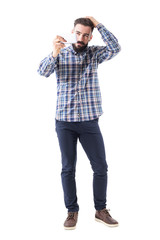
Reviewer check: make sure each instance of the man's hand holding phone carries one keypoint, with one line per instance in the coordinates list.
(58, 44)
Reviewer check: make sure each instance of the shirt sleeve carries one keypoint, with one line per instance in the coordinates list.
(112, 47)
(47, 65)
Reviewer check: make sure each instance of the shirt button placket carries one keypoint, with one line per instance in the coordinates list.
(79, 74)
(78, 114)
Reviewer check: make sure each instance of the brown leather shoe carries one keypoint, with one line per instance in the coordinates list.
(103, 216)
(71, 221)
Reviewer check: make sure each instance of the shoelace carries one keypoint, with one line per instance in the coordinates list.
(70, 216)
(106, 211)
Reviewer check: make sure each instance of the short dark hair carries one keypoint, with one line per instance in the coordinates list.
(85, 22)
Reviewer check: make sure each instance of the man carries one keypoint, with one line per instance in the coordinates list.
(78, 109)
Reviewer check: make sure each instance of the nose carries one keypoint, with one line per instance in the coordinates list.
(80, 38)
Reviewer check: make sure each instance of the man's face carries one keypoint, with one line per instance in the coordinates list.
(84, 35)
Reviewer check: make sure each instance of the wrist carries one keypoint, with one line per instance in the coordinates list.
(96, 23)
(54, 54)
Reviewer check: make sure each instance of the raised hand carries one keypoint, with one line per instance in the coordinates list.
(58, 45)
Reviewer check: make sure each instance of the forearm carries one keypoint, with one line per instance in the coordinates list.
(47, 66)
(109, 39)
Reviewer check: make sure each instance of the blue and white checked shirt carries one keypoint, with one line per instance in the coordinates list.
(78, 91)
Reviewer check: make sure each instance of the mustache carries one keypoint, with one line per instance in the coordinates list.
(81, 43)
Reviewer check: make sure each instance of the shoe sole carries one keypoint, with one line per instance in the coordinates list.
(69, 228)
(109, 225)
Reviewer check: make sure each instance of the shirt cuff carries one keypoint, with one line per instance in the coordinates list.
(100, 25)
(52, 59)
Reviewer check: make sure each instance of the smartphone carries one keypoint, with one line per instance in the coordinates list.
(70, 38)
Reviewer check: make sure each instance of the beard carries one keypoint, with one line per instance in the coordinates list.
(80, 48)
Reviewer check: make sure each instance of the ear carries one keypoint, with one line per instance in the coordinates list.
(72, 30)
(91, 37)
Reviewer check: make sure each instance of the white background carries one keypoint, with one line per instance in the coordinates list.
(31, 201)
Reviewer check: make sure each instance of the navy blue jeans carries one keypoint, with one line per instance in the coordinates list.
(90, 137)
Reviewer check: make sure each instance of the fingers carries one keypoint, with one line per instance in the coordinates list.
(59, 39)
(91, 18)
(58, 45)
(95, 22)
(58, 42)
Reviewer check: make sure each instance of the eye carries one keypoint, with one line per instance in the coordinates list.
(86, 35)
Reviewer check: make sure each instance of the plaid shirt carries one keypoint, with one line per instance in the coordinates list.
(78, 91)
